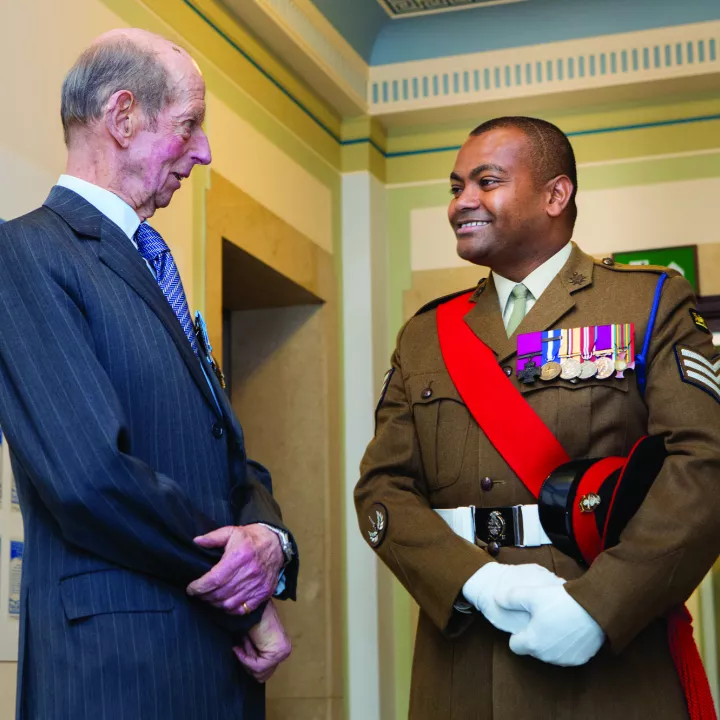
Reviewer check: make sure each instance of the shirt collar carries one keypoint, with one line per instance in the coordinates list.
(537, 281)
(109, 204)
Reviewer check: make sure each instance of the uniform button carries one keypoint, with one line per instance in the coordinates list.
(218, 430)
(493, 549)
(507, 370)
(608, 261)
(426, 393)
(486, 484)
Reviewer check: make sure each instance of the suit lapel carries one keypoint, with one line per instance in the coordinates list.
(122, 258)
(118, 254)
(485, 319)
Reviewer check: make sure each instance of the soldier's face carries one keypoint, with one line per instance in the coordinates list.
(496, 206)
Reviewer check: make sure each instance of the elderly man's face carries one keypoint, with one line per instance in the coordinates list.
(163, 156)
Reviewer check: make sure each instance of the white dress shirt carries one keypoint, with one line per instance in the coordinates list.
(536, 283)
(109, 204)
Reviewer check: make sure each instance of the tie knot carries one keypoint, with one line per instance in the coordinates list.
(150, 242)
(519, 292)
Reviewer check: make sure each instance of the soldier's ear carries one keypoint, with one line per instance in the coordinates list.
(559, 192)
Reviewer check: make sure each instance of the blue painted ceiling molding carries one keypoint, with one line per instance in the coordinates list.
(529, 23)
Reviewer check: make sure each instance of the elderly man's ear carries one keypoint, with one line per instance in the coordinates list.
(121, 117)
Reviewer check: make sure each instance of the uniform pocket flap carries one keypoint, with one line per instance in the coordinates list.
(430, 387)
(113, 591)
(611, 383)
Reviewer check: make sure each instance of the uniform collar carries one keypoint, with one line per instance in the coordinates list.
(537, 281)
(109, 204)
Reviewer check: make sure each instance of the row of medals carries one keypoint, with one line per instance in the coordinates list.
(570, 368)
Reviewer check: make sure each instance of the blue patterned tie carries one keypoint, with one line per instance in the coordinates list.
(156, 252)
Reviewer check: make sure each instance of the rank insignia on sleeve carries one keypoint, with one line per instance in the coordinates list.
(699, 321)
(377, 524)
(697, 370)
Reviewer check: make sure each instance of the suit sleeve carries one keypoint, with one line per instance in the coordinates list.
(674, 539)
(67, 431)
(396, 518)
(255, 503)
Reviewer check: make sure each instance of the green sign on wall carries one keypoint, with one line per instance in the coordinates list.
(683, 259)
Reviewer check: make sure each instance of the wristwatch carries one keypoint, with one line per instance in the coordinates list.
(285, 544)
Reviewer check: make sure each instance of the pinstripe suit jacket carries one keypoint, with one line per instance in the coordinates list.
(122, 454)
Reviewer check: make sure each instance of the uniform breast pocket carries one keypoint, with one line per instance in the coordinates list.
(442, 423)
(588, 417)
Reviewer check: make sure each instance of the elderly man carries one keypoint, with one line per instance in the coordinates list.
(153, 544)
(512, 626)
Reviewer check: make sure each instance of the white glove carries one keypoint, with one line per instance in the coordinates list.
(484, 587)
(560, 632)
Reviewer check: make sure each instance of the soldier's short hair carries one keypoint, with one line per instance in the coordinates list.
(550, 150)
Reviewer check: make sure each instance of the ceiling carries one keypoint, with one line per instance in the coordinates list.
(312, 38)
(422, 29)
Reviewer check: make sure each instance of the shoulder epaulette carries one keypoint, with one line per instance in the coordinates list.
(610, 264)
(446, 298)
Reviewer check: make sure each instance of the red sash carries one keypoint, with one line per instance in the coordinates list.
(528, 446)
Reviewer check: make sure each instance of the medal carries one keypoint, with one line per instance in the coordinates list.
(551, 367)
(570, 369)
(204, 342)
(202, 336)
(624, 348)
(620, 363)
(529, 349)
(550, 371)
(569, 366)
(588, 369)
(605, 367)
(529, 373)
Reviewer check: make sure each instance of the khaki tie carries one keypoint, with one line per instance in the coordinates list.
(520, 293)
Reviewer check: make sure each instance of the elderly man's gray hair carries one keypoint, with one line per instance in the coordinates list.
(106, 68)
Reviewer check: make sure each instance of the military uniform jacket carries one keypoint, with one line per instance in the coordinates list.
(428, 452)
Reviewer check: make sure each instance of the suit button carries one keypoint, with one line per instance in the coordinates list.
(493, 549)
(218, 430)
(507, 370)
(426, 393)
(486, 484)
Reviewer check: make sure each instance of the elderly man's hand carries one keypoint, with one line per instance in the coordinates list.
(246, 575)
(265, 646)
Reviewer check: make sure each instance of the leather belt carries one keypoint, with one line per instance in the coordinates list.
(515, 526)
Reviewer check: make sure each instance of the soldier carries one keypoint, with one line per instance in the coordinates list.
(510, 626)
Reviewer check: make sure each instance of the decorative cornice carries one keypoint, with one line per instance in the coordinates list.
(399, 9)
(311, 31)
(592, 63)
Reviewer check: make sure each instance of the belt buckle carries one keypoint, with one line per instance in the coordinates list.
(496, 527)
(518, 525)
